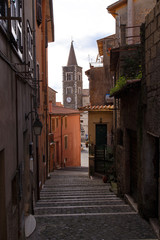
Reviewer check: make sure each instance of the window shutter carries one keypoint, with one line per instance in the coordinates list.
(39, 12)
(46, 35)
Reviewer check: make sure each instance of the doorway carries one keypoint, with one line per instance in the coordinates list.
(3, 220)
(100, 147)
(133, 165)
(101, 134)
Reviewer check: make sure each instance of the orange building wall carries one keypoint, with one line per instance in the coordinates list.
(73, 151)
(42, 61)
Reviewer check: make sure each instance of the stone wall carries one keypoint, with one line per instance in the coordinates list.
(152, 61)
(75, 83)
(98, 86)
(148, 202)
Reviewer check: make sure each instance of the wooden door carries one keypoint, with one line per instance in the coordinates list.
(133, 165)
(3, 225)
(101, 142)
(101, 134)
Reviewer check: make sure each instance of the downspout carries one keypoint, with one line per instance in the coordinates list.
(61, 140)
(46, 88)
(34, 74)
(46, 83)
(17, 152)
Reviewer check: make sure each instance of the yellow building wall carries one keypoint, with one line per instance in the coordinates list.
(100, 117)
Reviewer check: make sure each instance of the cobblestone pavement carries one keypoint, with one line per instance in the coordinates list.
(74, 207)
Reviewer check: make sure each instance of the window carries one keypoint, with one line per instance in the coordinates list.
(29, 41)
(3, 12)
(16, 25)
(30, 47)
(46, 34)
(56, 122)
(39, 12)
(79, 77)
(3, 8)
(79, 90)
(53, 124)
(65, 122)
(38, 85)
(69, 90)
(65, 142)
(69, 76)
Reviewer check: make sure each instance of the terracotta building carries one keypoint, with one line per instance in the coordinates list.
(44, 35)
(64, 140)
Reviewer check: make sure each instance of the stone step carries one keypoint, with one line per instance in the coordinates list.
(79, 203)
(83, 209)
(43, 196)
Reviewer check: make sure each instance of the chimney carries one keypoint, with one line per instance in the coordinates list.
(130, 20)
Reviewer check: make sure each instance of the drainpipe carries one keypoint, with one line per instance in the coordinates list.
(34, 75)
(130, 19)
(61, 140)
(46, 96)
(17, 147)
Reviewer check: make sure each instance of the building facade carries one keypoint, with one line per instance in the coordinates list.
(44, 34)
(84, 115)
(72, 82)
(100, 117)
(64, 141)
(16, 91)
(19, 101)
(136, 173)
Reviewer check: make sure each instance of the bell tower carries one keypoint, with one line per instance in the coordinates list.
(72, 82)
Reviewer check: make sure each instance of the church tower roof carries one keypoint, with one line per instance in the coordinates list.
(72, 61)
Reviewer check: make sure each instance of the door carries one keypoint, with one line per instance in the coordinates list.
(133, 164)
(3, 225)
(101, 134)
(101, 142)
(155, 182)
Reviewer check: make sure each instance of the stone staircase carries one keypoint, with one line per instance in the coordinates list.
(74, 207)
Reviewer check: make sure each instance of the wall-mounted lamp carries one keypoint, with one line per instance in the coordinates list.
(37, 125)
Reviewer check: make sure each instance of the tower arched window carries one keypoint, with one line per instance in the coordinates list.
(69, 76)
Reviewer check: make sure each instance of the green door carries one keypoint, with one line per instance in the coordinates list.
(101, 142)
(101, 134)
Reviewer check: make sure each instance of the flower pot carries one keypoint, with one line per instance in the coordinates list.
(105, 179)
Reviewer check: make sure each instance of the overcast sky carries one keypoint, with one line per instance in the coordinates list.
(84, 22)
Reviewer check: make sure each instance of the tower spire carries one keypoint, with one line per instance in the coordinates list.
(72, 61)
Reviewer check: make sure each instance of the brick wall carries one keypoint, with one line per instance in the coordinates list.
(98, 86)
(152, 69)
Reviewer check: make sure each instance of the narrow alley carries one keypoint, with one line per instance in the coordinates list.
(75, 207)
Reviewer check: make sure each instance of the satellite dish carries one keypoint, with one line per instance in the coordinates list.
(108, 99)
(30, 225)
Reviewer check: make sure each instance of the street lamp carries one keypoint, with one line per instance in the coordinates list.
(37, 127)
